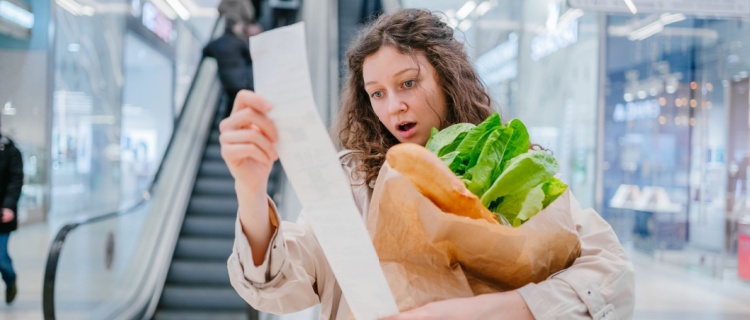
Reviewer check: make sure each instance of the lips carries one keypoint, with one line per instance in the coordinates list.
(406, 129)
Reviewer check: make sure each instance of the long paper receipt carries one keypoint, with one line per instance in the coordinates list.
(281, 75)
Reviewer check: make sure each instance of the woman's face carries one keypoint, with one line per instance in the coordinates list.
(405, 94)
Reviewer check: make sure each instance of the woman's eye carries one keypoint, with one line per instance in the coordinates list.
(376, 94)
(409, 84)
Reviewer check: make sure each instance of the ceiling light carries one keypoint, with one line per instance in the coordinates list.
(76, 8)
(671, 18)
(656, 26)
(466, 9)
(484, 7)
(631, 6)
(646, 31)
(569, 16)
(179, 8)
(13, 13)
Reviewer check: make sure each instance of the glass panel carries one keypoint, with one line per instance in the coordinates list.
(24, 95)
(98, 270)
(676, 136)
(86, 111)
(147, 119)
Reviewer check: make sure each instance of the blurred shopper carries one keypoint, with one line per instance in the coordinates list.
(232, 54)
(240, 10)
(232, 49)
(11, 180)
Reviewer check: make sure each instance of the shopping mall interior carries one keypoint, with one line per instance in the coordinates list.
(128, 211)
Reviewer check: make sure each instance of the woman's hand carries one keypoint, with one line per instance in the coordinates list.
(505, 305)
(247, 138)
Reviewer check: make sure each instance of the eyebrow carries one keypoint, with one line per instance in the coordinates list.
(395, 75)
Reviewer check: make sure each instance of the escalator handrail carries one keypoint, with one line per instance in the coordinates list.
(53, 257)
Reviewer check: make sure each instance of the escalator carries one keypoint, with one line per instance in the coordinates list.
(197, 284)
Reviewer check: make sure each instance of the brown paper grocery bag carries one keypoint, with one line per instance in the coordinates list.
(428, 255)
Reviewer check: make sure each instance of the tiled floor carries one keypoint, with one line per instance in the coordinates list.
(662, 291)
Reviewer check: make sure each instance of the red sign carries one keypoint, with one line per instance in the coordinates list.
(743, 252)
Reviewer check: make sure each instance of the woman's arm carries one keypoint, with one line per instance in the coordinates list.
(285, 280)
(505, 305)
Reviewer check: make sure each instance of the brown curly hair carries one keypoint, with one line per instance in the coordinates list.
(410, 31)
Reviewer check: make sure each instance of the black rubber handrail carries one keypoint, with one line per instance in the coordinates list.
(53, 258)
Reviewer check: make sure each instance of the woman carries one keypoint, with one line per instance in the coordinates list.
(407, 74)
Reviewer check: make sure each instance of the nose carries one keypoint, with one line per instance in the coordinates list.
(396, 104)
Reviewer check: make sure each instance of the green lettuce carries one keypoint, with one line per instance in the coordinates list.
(495, 163)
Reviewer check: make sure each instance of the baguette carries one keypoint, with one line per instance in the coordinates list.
(436, 181)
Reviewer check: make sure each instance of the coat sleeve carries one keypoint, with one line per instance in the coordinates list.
(286, 280)
(599, 285)
(15, 181)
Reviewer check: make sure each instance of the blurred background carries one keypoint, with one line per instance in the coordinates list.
(645, 103)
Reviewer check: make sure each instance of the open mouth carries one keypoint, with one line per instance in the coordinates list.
(404, 127)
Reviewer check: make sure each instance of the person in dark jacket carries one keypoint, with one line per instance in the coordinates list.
(232, 54)
(11, 180)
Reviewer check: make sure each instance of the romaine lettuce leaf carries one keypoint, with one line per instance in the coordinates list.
(522, 173)
(521, 206)
(440, 141)
(475, 136)
(486, 170)
(553, 188)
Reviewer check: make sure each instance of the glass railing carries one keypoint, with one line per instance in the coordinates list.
(113, 266)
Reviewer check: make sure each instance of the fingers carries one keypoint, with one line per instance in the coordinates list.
(247, 118)
(245, 151)
(247, 99)
(249, 137)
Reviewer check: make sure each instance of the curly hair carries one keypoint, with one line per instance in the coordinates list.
(409, 31)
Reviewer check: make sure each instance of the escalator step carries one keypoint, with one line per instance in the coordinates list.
(207, 226)
(179, 314)
(214, 136)
(212, 152)
(197, 273)
(215, 168)
(214, 186)
(211, 299)
(203, 249)
(212, 205)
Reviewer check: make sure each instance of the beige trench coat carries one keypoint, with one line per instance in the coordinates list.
(295, 274)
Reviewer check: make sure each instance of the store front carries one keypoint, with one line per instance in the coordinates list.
(676, 136)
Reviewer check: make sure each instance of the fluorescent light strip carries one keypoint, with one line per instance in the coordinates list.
(466, 9)
(180, 9)
(483, 8)
(631, 6)
(16, 14)
(646, 31)
(569, 16)
(672, 18)
(656, 26)
(76, 8)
